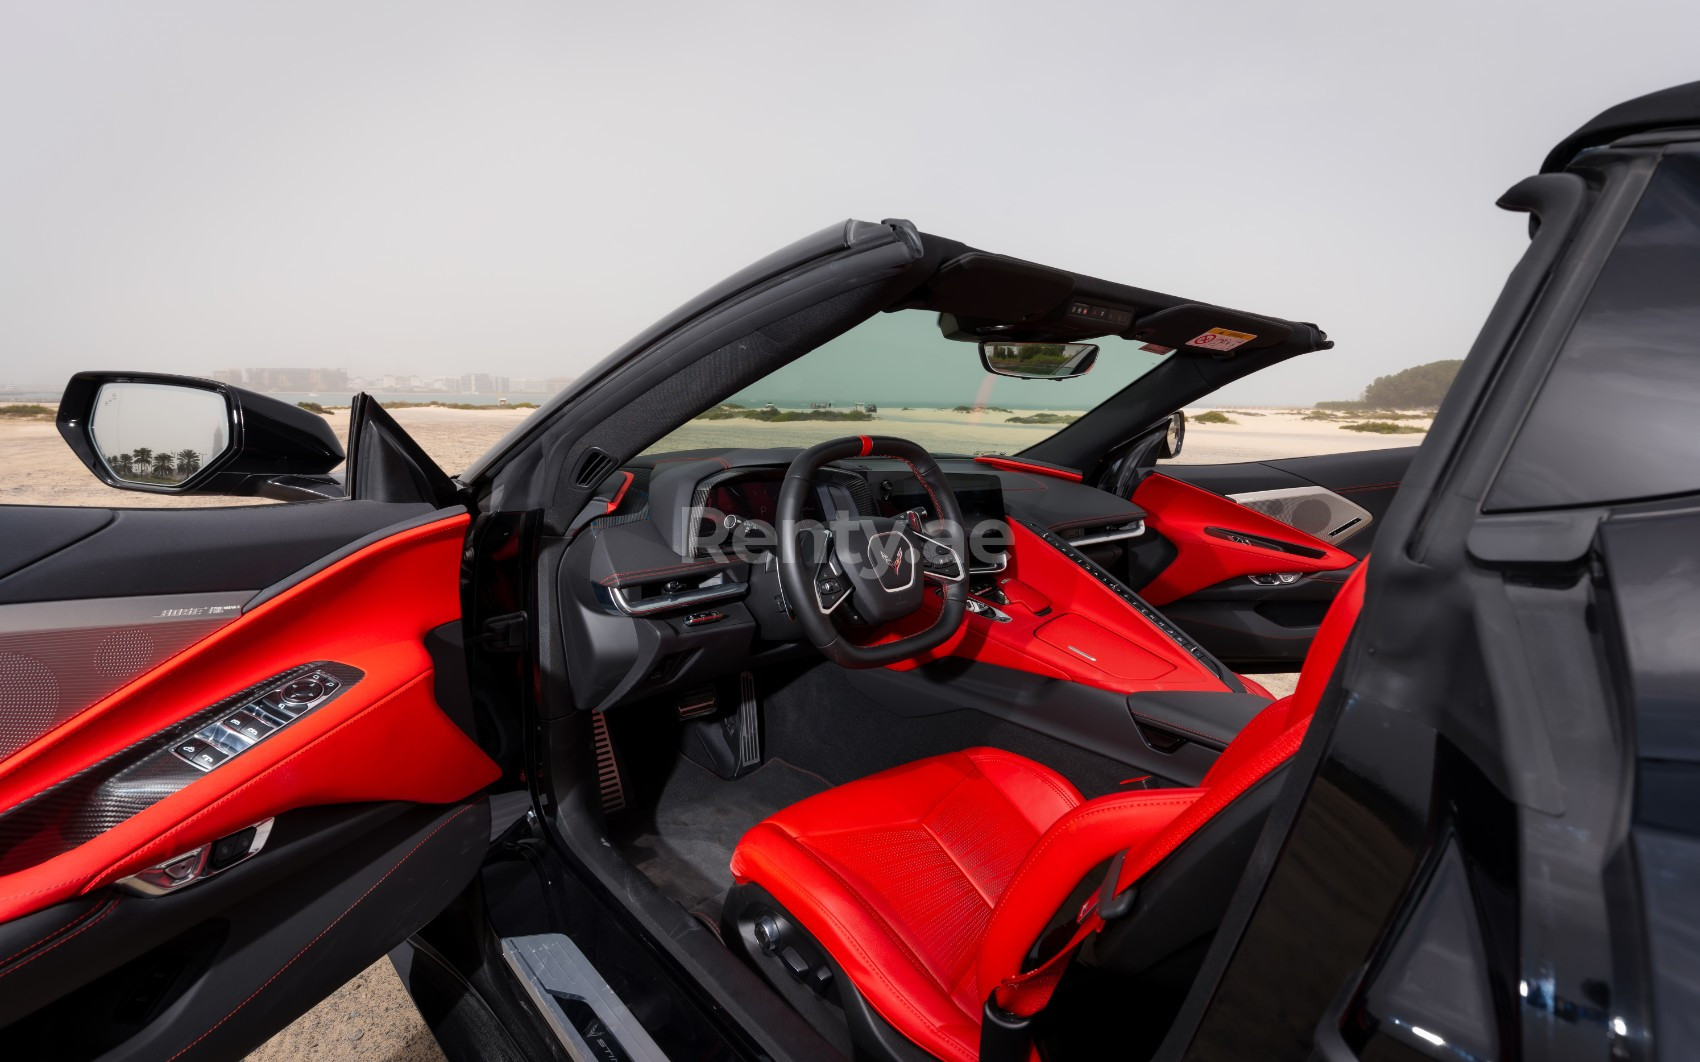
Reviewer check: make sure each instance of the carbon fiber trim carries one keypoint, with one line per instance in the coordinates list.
(94, 800)
(1139, 604)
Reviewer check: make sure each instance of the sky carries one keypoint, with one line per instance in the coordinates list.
(515, 187)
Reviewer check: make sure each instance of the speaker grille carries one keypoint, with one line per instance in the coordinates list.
(47, 677)
(1316, 511)
(29, 700)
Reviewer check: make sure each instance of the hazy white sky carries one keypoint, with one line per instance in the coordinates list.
(440, 187)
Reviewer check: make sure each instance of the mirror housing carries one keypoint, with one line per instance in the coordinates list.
(1174, 435)
(264, 447)
(1037, 361)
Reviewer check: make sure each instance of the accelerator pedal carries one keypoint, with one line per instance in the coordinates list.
(749, 723)
(726, 742)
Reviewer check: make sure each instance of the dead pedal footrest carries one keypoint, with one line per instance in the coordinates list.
(608, 780)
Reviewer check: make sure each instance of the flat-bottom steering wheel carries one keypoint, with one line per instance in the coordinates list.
(875, 567)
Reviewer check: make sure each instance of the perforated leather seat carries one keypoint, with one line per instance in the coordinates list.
(929, 884)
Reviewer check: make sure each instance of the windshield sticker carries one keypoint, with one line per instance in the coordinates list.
(1156, 348)
(1221, 339)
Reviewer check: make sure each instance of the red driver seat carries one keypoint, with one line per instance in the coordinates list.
(929, 885)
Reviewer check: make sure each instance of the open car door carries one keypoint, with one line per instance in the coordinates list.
(236, 763)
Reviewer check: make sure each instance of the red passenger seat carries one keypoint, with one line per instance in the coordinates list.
(928, 886)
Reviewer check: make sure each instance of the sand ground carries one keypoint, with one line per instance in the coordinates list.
(371, 1017)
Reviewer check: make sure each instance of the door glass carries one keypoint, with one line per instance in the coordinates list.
(159, 434)
(1614, 420)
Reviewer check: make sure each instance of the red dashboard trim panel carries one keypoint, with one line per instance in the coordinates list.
(1076, 629)
(1015, 465)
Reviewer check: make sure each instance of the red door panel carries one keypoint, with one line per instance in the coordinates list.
(1217, 539)
(382, 738)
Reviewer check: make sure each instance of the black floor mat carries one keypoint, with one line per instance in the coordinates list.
(684, 844)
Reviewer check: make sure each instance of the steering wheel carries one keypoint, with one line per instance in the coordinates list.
(875, 567)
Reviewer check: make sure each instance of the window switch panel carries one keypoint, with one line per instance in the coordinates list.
(245, 723)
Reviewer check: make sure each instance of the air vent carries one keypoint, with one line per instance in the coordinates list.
(594, 467)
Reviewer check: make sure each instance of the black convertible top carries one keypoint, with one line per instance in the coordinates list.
(1676, 106)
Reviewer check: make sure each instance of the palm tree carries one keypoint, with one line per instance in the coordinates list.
(141, 462)
(188, 462)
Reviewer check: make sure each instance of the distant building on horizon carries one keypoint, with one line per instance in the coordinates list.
(286, 380)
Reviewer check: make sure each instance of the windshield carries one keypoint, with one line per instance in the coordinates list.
(896, 374)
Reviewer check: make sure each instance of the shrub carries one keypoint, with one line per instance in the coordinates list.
(785, 416)
(1385, 427)
(1352, 405)
(1213, 416)
(314, 407)
(28, 409)
(1419, 387)
(1043, 418)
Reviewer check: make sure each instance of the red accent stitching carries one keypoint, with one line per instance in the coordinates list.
(110, 907)
(1155, 721)
(1366, 486)
(322, 932)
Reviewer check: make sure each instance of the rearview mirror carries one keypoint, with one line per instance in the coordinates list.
(1037, 361)
(178, 435)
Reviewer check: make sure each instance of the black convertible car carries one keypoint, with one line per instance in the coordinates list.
(775, 693)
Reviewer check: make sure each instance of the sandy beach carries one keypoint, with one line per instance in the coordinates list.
(39, 469)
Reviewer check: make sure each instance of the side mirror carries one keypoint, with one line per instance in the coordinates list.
(165, 434)
(1037, 361)
(1174, 435)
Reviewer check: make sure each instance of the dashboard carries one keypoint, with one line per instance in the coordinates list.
(670, 589)
(749, 500)
(678, 585)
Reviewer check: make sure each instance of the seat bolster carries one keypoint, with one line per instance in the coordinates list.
(1040, 794)
(1077, 842)
(891, 977)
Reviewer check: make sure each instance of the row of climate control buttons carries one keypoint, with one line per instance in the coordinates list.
(256, 721)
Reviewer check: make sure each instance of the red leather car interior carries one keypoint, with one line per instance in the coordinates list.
(1076, 629)
(1197, 522)
(384, 738)
(929, 883)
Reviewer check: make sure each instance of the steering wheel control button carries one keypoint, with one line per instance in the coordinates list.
(200, 754)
